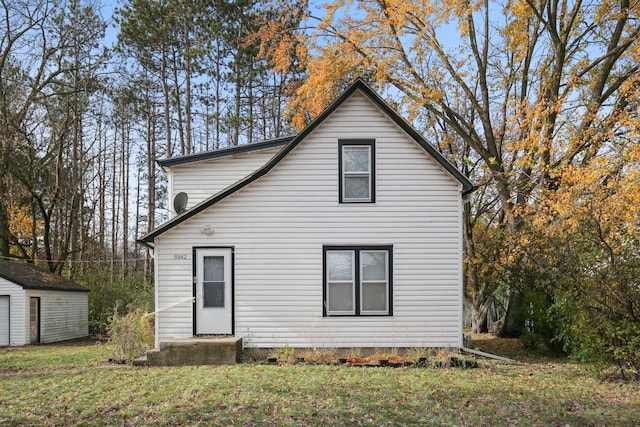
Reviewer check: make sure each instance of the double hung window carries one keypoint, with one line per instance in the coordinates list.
(358, 281)
(357, 171)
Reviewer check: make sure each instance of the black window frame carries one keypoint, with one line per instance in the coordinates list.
(371, 144)
(357, 279)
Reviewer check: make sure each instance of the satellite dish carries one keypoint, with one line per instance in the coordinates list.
(180, 202)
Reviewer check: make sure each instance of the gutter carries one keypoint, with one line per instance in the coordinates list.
(467, 192)
(149, 245)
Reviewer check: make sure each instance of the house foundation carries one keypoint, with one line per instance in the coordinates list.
(215, 350)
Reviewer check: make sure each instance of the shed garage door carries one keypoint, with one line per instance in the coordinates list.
(4, 320)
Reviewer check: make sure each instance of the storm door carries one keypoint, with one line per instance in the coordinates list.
(213, 292)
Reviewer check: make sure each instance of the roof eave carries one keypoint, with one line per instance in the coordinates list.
(25, 285)
(149, 238)
(224, 152)
(467, 185)
(53, 288)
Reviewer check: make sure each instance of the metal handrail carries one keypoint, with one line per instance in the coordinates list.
(192, 299)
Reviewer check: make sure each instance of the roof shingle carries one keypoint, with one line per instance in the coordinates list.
(30, 277)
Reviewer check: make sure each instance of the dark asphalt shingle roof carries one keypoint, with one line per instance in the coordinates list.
(224, 152)
(30, 277)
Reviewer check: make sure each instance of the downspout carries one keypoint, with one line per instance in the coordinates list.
(489, 355)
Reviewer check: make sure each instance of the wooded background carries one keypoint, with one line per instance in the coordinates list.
(536, 101)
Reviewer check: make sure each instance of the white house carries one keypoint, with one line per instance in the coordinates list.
(348, 234)
(40, 307)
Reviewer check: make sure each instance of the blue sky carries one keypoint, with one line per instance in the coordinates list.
(106, 10)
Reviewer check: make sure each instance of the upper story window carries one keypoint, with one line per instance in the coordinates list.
(357, 170)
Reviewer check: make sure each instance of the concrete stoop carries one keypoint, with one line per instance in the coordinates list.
(215, 350)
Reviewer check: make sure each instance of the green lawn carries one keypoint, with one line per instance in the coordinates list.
(73, 384)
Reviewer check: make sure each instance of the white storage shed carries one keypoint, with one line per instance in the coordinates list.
(40, 307)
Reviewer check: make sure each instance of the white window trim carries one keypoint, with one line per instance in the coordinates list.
(352, 282)
(359, 174)
(369, 144)
(386, 283)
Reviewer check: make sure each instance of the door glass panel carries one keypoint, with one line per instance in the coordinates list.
(213, 294)
(213, 281)
(213, 269)
(34, 320)
(34, 310)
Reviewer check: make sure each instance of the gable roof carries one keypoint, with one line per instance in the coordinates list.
(28, 276)
(358, 85)
(224, 152)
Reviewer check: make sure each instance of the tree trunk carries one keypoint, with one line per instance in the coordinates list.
(4, 232)
(178, 100)
(115, 205)
(237, 101)
(151, 189)
(167, 102)
(478, 320)
(218, 112)
(136, 227)
(250, 102)
(187, 85)
(102, 188)
(125, 197)
(513, 321)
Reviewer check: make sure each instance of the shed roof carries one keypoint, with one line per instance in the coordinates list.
(28, 276)
(225, 152)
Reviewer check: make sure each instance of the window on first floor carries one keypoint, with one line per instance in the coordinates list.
(357, 280)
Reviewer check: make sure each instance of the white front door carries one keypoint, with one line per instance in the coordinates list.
(214, 302)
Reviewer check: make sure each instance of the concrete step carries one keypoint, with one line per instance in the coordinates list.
(141, 361)
(215, 350)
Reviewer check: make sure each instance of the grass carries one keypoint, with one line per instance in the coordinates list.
(72, 384)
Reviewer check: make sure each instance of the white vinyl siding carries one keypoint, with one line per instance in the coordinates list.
(279, 224)
(18, 325)
(4, 320)
(64, 315)
(203, 179)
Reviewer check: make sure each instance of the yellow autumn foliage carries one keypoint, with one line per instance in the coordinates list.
(539, 103)
(21, 222)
